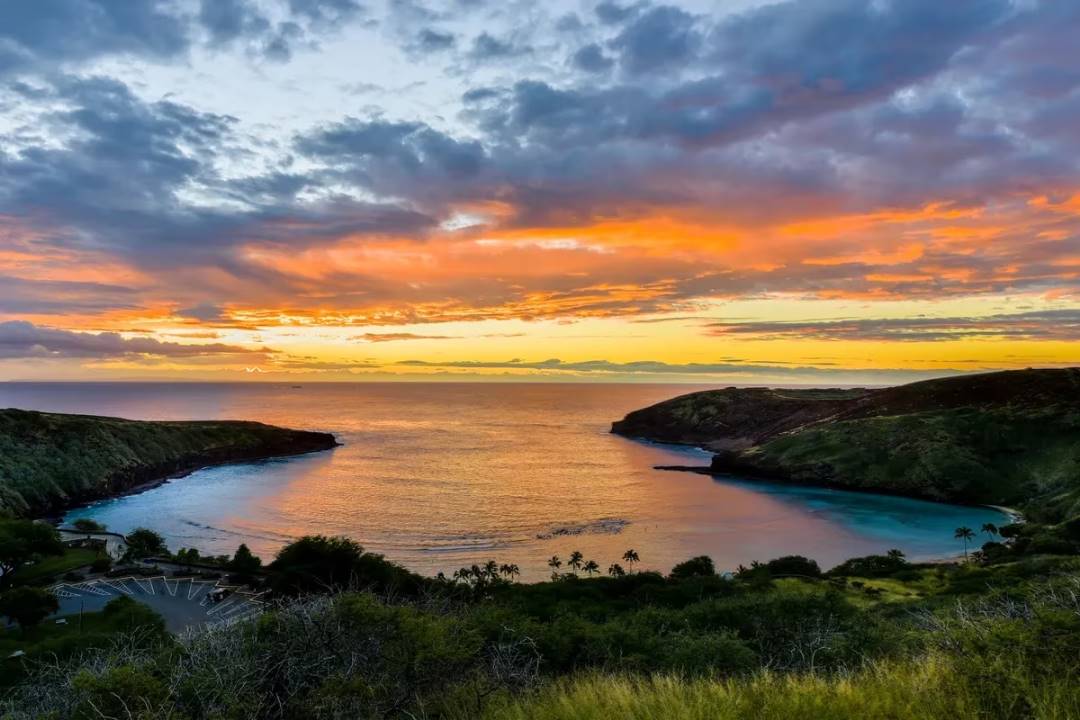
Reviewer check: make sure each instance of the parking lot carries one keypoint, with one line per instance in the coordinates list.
(184, 603)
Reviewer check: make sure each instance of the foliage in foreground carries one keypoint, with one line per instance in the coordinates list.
(996, 642)
(934, 688)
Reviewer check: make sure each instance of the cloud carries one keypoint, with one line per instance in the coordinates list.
(430, 41)
(19, 339)
(39, 38)
(651, 367)
(397, 336)
(41, 35)
(663, 37)
(1059, 325)
(486, 47)
(591, 58)
(836, 148)
(613, 13)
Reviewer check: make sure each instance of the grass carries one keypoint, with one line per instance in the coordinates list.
(928, 690)
(53, 568)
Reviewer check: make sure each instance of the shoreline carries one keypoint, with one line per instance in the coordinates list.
(57, 516)
(1014, 515)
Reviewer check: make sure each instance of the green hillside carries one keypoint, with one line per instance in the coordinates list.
(1008, 438)
(49, 462)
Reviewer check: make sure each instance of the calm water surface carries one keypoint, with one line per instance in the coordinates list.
(436, 476)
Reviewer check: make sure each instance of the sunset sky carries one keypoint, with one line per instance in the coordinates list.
(811, 191)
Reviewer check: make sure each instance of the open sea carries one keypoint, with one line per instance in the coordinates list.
(440, 475)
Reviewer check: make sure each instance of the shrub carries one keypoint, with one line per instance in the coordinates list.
(87, 525)
(143, 542)
(793, 565)
(317, 563)
(870, 566)
(28, 606)
(700, 566)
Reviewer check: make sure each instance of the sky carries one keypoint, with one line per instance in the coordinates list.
(801, 192)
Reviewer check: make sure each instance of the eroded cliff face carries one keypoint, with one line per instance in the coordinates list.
(50, 462)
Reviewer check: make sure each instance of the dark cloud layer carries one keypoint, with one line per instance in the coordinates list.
(789, 111)
(1061, 325)
(24, 340)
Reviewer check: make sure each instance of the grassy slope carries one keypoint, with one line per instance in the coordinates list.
(50, 461)
(928, 690)
(1002, 438)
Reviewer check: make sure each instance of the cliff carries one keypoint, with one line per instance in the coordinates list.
(1008, 438)
(50, 462)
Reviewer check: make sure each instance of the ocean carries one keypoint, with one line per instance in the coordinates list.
(440, 475)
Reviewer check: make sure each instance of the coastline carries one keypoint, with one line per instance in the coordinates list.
(56, 515)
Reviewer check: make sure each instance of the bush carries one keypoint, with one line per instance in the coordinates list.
(793, 565)
(101, 564)
(87, 525)
(143, 542)
(127, 614)
(871, 566)
(28, 606)
(700, 566)
(317, 564)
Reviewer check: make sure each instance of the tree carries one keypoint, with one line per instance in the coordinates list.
(700, 566)
(631, 557)
(575, 561)
(144, 542)
(87, 525)
(491, 570)
(316, 563)
(187, 556)
(896, 556)
(22, 541)
(28, 606)
(554, 563)
(510, 570)
(616, 570)
(591, 567)
(990, 529)
(965, 534)
(244, 562)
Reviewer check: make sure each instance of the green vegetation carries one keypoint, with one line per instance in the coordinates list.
(144, 542)
(87, 525)
(48, 569)
(123, 620)
(23, 541)
(50, 461)
(1006, 438)
(28, 606)
(359, 637)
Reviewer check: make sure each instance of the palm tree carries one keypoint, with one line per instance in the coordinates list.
(615, 570)
(554, 563)
(491, 569)
(965, 534)
(990, 529)
(895, 554)
(631, 557)
(510, 570)
(590, 567)
(575, 560)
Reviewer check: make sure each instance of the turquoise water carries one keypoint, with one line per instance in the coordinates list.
(440, 475)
